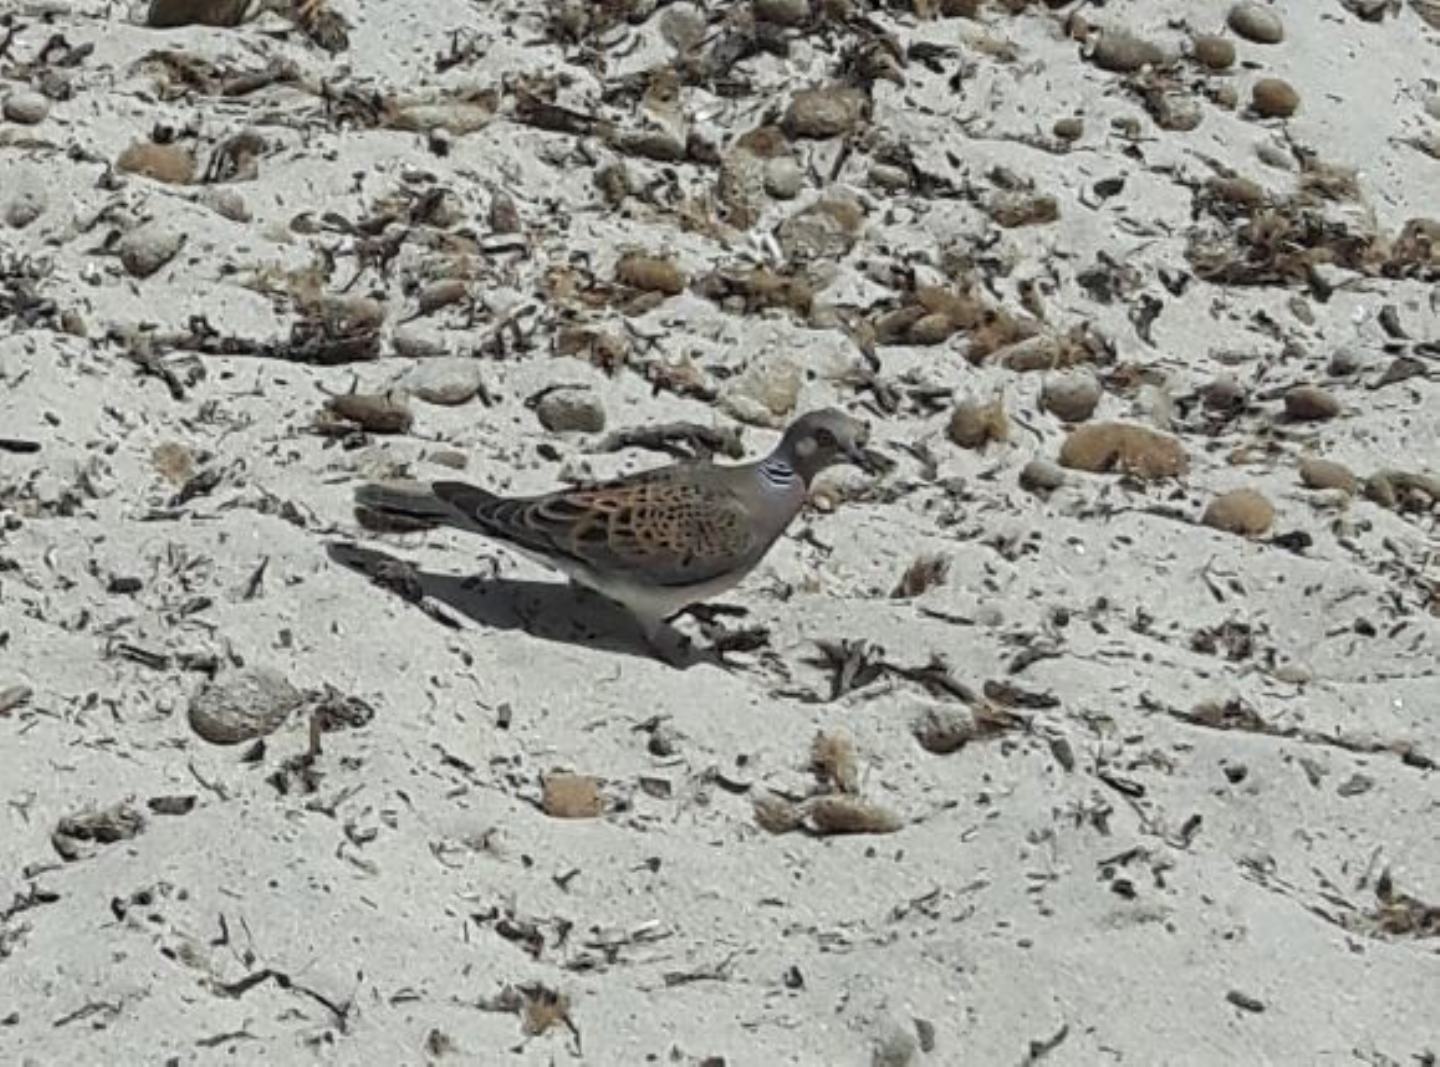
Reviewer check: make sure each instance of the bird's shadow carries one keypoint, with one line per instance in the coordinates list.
(552, 611)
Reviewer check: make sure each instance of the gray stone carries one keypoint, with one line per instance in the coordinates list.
(146, 249)
(448, 380)
(243, 706)
(568, 412)
(25, 207)
(26, 107)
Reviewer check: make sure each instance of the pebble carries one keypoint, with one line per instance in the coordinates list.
(820, 114)
(1246, 512)
(1177, 111)
(766, 393)
(1310, 402)
(1042, 476)
(227, 203)
(784, 177)
(889, 179)
(1275, 155)
(825, 230)
(1071, 128)
(1274, 98)
(895, 1045)
(973, 424)
(1124, 53)
(570, 412)
(147, 248)
(24, 208)
(419, 342)
(449, 380)
(1343, 362)
(26, 107)
(1072, 396)
(243, 706)
(1226, 96)
(1224, 394)
(1213, 51)
(782, 12)
(682, 26)
(1257, 23)
(1317, 473)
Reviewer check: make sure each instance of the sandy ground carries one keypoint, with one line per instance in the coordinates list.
(1165, 793)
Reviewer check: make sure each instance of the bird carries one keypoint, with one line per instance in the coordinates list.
(656, 541)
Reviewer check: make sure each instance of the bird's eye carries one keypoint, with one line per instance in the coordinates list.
(824, 438)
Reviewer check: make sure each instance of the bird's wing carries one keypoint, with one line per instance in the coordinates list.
(648, 529)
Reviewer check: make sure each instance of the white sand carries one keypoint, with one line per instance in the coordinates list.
(1126, 909)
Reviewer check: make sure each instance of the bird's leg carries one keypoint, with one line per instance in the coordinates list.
(667, 642)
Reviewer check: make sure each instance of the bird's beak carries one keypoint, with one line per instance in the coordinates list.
(868, 460)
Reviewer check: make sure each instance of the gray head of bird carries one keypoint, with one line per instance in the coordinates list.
(821, 439)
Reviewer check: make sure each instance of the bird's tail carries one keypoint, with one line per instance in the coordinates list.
(409, 506)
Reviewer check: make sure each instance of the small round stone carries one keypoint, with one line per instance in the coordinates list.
(782, 12)
(1343, 362)
(24, 208)
(144, 250)
(1070, 129)
(784, 177)
(1274, 98)
(1310, 402)
(26, 107)
(1213, 51)
(1072, 396)
(449, 380)
(243, 707)
(567, 412)
(1241, 511)
(1042, 476)
(1317, 473)
(1257, 23)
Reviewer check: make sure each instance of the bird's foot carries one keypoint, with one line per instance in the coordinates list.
(668, 643)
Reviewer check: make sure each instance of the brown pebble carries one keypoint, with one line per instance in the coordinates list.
(930, 329)
(649, 274)
(1241, 511)
(1257, 23)
(1214, 52)
(1070, 128)
(1018, 208)
(1138, 450)
(1274, 98)
(1317, 473)
(572, 796)
(1310, 402)
(823, 113)
(973, 425)
(171, 163)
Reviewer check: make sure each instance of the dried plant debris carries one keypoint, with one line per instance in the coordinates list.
(924, 573)
(823, 816)
(833, 759)
(119, 822)
(1236, 714)
(1131, 449)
